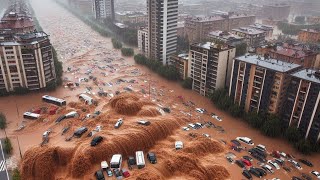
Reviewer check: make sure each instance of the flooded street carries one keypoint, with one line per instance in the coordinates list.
(85, 53)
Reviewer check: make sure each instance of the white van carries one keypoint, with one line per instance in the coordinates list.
(192, 126)
(116, 161)
(104, 165)
(178, 145)
(140, 159)
(245, 140)
(72, 114)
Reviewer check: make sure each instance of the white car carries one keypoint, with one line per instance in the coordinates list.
(316, 173)
(119, 123)
(245, 140)
(104, 165)
(274, 164)
(206, 135)
(261, 147)
(185, 128)
(192, 126)
(295, 163)
(218, 118)
(178, 145)
(200, 110)
(268, 168)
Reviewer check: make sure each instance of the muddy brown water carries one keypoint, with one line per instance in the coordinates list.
(82, 49)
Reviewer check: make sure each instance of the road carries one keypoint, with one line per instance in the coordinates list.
(3, 169)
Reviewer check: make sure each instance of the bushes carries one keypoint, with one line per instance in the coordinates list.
(241, 49)
(3, 121)
(303, 146)
(166, 71)
(292, 134)
(116, 44)
(187, 83)
(16, 174)
(7, 146)
(127, 52)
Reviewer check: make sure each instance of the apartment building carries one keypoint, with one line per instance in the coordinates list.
(265, 28)
(180, 61)
(226, 37)
(132, 17)
(103, 9)
(276, 12)
(14, 23)
(198, 28)
(27, 61)
(253, 37)
(162, 29)
(143, 43)
(302, 108)
(260, 83)
(209, 66)
(309, 36)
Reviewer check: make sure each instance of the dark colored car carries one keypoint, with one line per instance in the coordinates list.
(167, 110)
(96, 140)
(60, 118)
(117, 173)
(109, 172)
(306, 176)
(131, 162)
(279, 161)
(254, 172)
(99, 175)
(240, 163)
(296, 178)
(248, 158)
(258, 151)
(78, 133)
(229, 159)
(288, 169)
(258, 157)
(246, 174)
(152, 158)
(235, 142)
(306, 162)
(261, 171)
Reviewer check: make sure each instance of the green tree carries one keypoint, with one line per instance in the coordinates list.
(7, 146)
(254, 120)
(16, 174)
(303, 146)
(300, 19)
(127, 51)
(235, 110)
(58, 68)
(116, 44)
(271, 126)
(3, 121)
(241, 49)
(292, 134)
(187, 83)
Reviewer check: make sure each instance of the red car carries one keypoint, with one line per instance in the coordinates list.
(125, 173)
(276, 154)
(246, 162)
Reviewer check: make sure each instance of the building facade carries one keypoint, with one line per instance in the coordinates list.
(302, 108)
(129, 17)
(276, 12)
(265, 28)
(198, 28)
(180, 61)
(309, 36)
(103, 9)
(259, 84)
(26, 62)
(143, 43)
(210, 66)
(253, 37)
(162, 29)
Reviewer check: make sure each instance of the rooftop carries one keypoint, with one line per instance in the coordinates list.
(217, 18)
(271, 64)
(310, 30)
(261, 26)
(308, 74)
(208, 45)
(184, 56)
(248, 30)
(296, 51)
(224, 35)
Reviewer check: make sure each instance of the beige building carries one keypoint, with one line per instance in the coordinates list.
(180, 61)
(198, 28)
(26, 62)
(210, 66)
(143, 43)
(252, 37)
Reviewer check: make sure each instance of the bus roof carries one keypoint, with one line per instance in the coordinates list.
(116, 158)
(53, 98)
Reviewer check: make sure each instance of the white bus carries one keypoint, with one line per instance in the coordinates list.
(53, 100)
(29, 115)
(140, 159)
(116, 161)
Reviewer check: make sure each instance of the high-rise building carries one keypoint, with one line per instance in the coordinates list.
(180, 61)
(143, 43)
(210, 66)
(103, 9)
(162, 29)
(27, 61)
(259, 84)
(302, 108)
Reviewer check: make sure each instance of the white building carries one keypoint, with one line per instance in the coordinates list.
(210, 66)
(143, 43)
(103, 9)
(162, 29)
